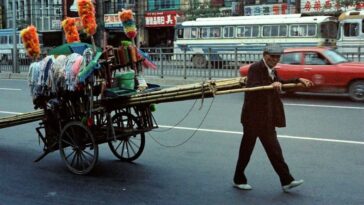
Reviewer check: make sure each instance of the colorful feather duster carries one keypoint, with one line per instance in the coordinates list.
(70, 29)
(86, 11)
(30, 40)
(130, 30)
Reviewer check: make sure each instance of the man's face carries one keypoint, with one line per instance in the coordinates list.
(272, 60)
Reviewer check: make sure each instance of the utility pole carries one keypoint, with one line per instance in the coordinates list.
(100, 21)
(15, 49)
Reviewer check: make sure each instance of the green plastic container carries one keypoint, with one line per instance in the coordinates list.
(126, 79)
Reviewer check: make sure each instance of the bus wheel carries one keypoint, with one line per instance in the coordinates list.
(199, 61)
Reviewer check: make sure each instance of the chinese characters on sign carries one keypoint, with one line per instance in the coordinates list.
(267, 9)
(112, 21)
(311, 6)
(161, 19)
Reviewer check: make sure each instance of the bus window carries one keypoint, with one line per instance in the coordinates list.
(298, 30)
(266, 31)
(180, 33)
(274, 30)
(187, 33)
(205, 32)
(282, 30)
(240, 31)
(228, 32)
(311, 30)
(255, 31)
(216, 33)
(351, 29)
(329, 30)
(194, 32)
(248, 31)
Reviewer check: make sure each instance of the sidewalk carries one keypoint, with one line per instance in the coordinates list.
(166, 81)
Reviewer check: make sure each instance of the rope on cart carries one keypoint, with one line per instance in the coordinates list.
(189, 111)
(190, 137)
(183, 118)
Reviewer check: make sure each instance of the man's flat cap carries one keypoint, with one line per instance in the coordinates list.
(273, 49)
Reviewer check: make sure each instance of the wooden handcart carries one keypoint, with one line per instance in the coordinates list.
(76, 122)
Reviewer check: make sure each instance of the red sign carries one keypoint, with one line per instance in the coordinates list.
(160, 19)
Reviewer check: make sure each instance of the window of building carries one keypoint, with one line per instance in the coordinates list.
(160, 5)
(249, 2)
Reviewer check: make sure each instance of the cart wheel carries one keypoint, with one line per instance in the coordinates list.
(78, 148)
(129, 147)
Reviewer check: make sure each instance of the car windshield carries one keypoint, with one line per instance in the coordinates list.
(335, 57)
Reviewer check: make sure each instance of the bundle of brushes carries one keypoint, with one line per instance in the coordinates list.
(86, 11)
(29, 37)
(70, 30)
(126, 17)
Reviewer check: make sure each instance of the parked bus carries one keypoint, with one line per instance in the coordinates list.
(351, 34)
(7, 45)
(207, 39)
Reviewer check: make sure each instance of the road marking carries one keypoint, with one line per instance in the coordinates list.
(325, 106)
(13, 113)
(280, 136)
(10, 89)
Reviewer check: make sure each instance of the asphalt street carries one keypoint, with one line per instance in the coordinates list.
(323, 144)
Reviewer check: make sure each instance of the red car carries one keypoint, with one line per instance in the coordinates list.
(329, 70)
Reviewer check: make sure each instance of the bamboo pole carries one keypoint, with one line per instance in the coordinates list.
(187, 92)
(259, 88)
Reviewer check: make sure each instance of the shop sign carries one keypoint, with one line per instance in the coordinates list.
(314, 6)
(268, 9)
(112, 21)
(161, 19)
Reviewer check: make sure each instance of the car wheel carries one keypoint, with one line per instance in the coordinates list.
(356, 91)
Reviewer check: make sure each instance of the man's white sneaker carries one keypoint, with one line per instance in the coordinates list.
(242, 186)
(294, 183)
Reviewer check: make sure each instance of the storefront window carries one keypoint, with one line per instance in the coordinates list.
(249, 2)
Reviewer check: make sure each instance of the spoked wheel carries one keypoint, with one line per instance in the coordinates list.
(78, 148)
(128, 147)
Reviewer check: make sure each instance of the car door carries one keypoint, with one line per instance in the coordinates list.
(290, 65)
(317, 68)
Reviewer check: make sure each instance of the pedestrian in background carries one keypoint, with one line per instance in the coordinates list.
(262, 112)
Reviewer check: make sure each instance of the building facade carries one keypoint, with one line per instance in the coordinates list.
(156, 19)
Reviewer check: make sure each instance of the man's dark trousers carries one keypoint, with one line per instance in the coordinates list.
(268, 138)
